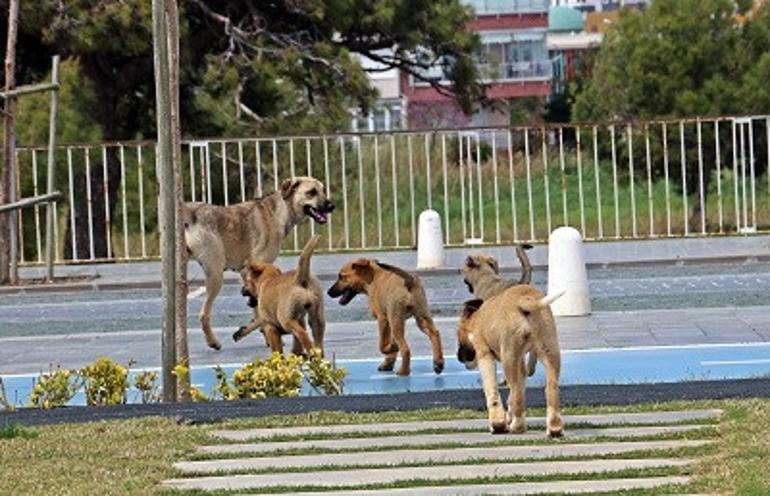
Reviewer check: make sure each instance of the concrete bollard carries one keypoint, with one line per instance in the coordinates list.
(430, 241)
(567, 272)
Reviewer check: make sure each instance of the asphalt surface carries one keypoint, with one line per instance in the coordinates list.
(471, 399)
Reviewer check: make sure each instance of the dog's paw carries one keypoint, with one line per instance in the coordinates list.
(438, 367)
(498, 427)
(215, 345)
(518, 426)
(555, 432)
(403, 371)
(239, 334)
(386, 367)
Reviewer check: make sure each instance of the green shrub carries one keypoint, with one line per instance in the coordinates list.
(277, 375)
(323, 375)
(11, 431)
(106, 382)
(147, 384)
(55, 388)
(4, 403)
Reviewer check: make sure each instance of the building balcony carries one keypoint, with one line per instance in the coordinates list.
(502, 7)
(516, 71)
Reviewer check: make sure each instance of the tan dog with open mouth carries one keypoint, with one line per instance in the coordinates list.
(394, 296)
(282, 300)
(228, 238)
(481, 274)
(503, 329)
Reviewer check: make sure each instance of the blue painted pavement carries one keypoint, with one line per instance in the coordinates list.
(592, 366)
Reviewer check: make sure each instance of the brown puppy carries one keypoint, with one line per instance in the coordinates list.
(481, 275)
(282, 301)
(504, 328)
(394, 296)
(228, 238)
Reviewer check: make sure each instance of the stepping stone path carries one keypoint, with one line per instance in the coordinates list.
(450, 457)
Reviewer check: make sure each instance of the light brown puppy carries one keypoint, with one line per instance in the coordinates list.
(227, 238)
(503, 329)
(481, 275)
(283, 300)
(394, 296)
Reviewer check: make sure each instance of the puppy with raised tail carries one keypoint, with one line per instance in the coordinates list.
(394, 296)
(504, 328)
(281, 302)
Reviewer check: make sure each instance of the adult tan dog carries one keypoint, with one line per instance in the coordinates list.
(504, 328)
(481, 275)
(226, 238)
(282, 302)
(394, 296)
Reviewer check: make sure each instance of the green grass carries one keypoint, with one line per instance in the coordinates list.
(133, 456)
(12, 431)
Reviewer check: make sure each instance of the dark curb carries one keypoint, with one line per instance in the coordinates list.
(215, 411)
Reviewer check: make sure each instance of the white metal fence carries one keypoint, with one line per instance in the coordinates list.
(490, 185)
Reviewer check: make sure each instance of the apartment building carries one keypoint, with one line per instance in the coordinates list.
(513, 63)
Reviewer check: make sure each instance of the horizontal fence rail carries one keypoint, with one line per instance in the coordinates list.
(637, 180)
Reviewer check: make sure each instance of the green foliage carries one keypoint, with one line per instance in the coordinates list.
(277, 375)
(12, 431)
(4, 403)
(323, 375)
(147, 384)
(55, 388)
(683, 58)
(106, 382)
(183, 373)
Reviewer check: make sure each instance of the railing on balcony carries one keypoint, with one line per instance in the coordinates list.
(514, 71)
(497, 7)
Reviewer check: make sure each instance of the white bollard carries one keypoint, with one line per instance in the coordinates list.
(430, 241)
(567, 272)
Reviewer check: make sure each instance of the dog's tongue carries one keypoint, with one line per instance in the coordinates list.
(318, 215)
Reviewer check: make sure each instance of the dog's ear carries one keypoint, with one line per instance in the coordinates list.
(361, 264)
(288, 187)
(492, 262)
(256, 269)
(470, 307)
(470, 262)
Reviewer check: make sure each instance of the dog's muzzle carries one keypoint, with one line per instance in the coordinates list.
(470, 286)
(466, 354)
(344, 294)
(253, 302)
(320, 214)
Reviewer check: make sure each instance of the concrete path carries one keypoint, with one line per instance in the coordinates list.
(334, 478)
(643, 418)
(419, 461)
(552, 487)
(416, 440)
(435, 456)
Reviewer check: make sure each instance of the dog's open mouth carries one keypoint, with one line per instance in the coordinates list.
(347, 295)
(318, 215)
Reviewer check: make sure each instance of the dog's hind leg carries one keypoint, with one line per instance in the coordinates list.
(273, 338)
(299, 332)
(515, 376)
(387, 346)
(214, 276)
(551, 358)
(425, 323)
(497, 423)
(397, 327)
(318, 324)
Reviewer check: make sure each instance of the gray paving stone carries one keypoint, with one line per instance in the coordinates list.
(466, 424)
(465, 438)
(333, 478)
(439, 456)
(558, 487)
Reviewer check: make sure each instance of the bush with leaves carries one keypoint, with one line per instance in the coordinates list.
(323, 375)
(147, 384)
(183, 374)
(106, 382)
(4, 403)
(55, 388)
(277, 375)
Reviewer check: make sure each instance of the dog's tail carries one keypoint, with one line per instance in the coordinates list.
(529, 304)
(526, 266)
(303, 264)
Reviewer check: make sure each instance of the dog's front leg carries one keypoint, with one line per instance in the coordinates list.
(497, 423)
(387, 346)
(244, 331)
(397, 326)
